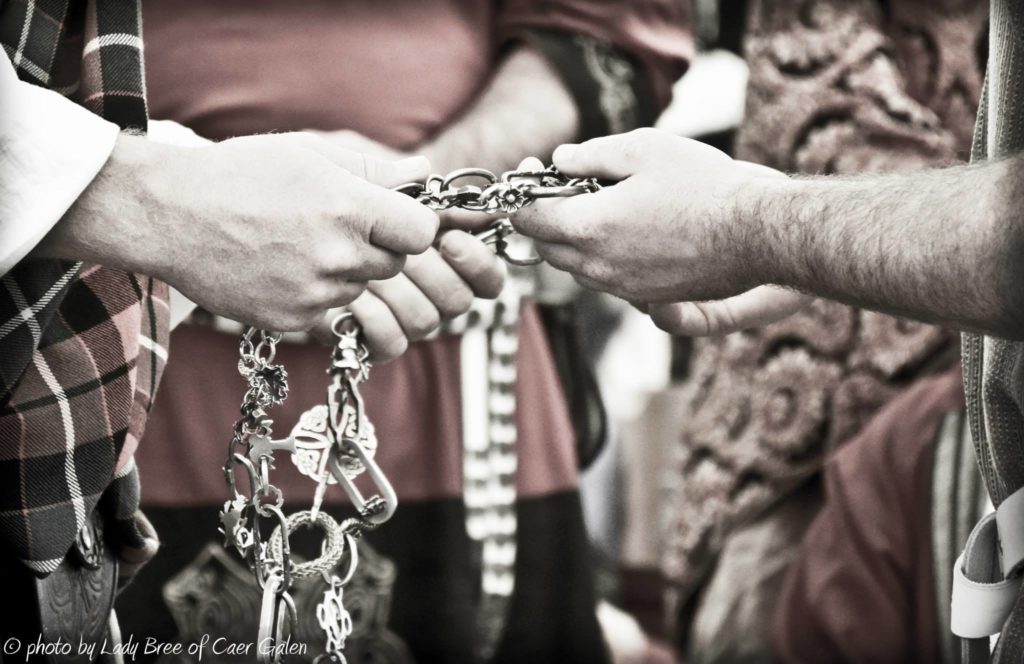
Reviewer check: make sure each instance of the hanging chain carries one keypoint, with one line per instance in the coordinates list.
(334, 442)
(494, 194)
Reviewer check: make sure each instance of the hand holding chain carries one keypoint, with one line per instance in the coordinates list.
(334, 442)
(504, 194)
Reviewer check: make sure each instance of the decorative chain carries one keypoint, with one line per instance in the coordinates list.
(494, 194)
(331, 443)
(334, 442)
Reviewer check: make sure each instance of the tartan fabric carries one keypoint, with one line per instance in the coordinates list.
(81, 346)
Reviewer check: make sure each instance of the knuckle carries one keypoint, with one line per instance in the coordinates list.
(455, 303)
(382, 266)
(348, 292)
(316, 293)
(298, 320)
(423, 323)
(390, 346)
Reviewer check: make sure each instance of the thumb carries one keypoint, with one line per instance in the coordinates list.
(378, 171)
(383, 172)
(393, 173)
(609, 157)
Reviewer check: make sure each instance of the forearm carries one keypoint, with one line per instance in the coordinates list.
(110, 223)
(946, 246)
(524, 110)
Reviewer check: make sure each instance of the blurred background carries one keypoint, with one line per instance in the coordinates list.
(750, 498)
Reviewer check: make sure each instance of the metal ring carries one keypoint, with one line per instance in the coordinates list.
(268, 491)
(461, 173)
(502, 252)
(334, 545)
(353, 559)
(510, 175)
(255, 485)
(344, 317)
(540, 191)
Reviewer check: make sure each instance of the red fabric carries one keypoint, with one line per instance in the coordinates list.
(397, 72)
(862, 588)
(413, 403)
(655, 32)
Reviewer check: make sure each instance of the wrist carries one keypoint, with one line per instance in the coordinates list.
(112, 222)
(766, 230)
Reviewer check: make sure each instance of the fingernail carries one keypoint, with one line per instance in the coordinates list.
(565, 153)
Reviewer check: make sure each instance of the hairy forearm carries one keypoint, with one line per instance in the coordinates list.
(945, 246)
(524, 110)
(110, 224)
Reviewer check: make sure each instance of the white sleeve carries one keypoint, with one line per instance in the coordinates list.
(170, 132)
(50, 150)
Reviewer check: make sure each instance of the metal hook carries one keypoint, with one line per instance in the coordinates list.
(386, 493)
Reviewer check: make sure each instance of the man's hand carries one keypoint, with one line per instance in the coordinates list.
(269, 230)
(437, 285)
(685, 223)
(665, 232)
(453, 218)
(756, 307)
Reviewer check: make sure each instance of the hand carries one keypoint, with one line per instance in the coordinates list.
(437, 285)
(667, 231)
(756, 307)
(439, 159)
(349, 139)
(269, 230)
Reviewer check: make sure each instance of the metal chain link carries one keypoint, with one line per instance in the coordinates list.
(347, 451)
(494, 194)
(334, 442)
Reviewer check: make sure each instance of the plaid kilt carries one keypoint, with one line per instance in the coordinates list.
(82, 347)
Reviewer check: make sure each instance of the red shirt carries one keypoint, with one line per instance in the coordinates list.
(397, 72)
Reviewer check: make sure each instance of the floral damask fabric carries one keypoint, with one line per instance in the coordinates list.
(836, 86)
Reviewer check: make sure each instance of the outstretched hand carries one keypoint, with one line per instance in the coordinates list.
(666, 234)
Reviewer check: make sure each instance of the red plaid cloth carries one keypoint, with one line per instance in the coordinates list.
(81, 347)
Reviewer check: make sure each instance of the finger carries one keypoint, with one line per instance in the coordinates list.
(381, 331)
(344, 292)
(754, 308)
(397, 223)
(374, 263)
(383, 172)
(322, 330)
(562, 256)
(468, 220)
(593, 284)
(559, 219)
(531, 164)
(439, 281)
(613, 157)
(413, 310)
(474, 262)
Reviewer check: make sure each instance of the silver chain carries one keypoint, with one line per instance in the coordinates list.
(334, 442)
(480, 190)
